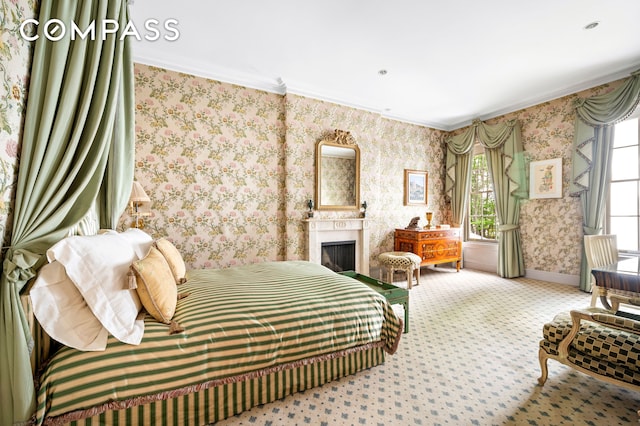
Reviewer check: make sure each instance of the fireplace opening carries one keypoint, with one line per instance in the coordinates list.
(339, 255)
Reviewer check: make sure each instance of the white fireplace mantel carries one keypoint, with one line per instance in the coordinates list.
(320, 231)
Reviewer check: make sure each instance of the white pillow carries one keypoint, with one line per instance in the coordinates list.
(139, 240)
(98, 266)
(62, 311)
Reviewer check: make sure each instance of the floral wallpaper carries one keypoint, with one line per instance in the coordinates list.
(15, 63)
(210, 156)
(229, 169)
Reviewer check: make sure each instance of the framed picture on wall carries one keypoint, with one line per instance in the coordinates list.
(545, 179)
(415, 187)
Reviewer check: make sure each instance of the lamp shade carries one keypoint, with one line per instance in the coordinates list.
(138, 195)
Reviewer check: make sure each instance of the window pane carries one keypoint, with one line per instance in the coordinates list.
(476, 202)
(626, 228)
(482, 215)
(624, 164)
(626, 133)
(624, 187)
(624, 198)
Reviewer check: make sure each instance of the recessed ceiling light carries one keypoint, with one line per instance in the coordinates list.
(382, 72)
(591, 25)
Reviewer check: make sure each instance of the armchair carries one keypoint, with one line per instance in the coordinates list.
(597, 342)
(601, 250)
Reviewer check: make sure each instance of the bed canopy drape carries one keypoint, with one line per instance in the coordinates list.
(507, 166)
(595, 122)
(77, 152)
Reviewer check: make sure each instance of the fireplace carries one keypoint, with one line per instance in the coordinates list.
(322, 231)
(339, 255)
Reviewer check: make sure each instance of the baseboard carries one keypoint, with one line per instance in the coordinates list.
(479, 266)
(554, 277)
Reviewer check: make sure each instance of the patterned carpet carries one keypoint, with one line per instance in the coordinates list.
(470, 358)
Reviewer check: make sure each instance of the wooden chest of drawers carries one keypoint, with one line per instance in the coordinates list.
(434, 246)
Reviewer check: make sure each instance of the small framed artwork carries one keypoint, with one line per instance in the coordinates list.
(415, 187)
(545, 179)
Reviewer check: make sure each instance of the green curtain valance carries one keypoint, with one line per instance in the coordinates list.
(595, 112)
(492, 137)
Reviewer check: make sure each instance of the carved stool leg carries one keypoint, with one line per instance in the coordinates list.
(409, 272)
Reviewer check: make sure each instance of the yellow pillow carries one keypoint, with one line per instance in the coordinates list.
(174, 259)
(156, 286)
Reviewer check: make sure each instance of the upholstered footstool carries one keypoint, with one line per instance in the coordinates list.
(403, 261)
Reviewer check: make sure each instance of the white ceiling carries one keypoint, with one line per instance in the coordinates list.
(447, 62)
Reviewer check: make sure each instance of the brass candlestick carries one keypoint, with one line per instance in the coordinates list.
(429, 216)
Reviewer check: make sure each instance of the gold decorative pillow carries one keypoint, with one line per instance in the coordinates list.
(156, 286)
(174, 259)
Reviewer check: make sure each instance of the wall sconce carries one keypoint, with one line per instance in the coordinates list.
(136, 200)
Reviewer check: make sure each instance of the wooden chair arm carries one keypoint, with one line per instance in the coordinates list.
(618, 299)
(607, 319)
(576, 317)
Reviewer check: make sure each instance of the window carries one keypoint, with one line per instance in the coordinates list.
(623, 209)
(481, 220)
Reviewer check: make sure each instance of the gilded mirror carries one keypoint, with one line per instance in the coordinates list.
(338, 173)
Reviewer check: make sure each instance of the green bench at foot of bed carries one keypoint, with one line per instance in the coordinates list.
(394, 295)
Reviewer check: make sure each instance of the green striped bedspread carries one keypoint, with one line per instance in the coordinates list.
(239, 322)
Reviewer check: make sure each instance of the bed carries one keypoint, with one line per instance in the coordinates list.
(237, 338)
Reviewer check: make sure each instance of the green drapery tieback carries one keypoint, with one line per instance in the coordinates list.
(591, 231)
(506, 228)
(19, 266)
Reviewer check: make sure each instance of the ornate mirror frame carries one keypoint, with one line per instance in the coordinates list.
(341, 141)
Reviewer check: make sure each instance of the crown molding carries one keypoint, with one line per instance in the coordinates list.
(549, 96)
(225, 75)
(277, 85)
(361, 106)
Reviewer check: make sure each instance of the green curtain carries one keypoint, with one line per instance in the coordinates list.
(507, 166)
(593, 139)
(118, 177)
(458, 173)
(77, 147)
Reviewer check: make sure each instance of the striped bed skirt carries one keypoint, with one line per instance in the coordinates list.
(217, 402)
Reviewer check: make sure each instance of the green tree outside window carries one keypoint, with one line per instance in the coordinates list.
(482, 206)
